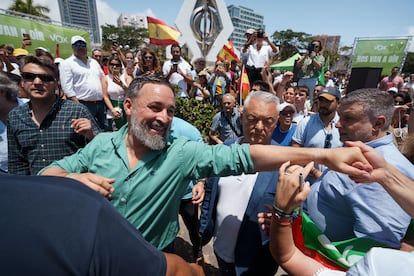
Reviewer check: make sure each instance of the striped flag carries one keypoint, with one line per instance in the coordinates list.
(160, 33)
(228, 53)
(244, 84)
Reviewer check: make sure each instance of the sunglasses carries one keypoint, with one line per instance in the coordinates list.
(286, 113)
(147, 57)
(79, 44)
(115, 64)
(328, 140)
(31, 77)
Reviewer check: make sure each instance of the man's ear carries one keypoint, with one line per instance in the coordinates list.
(379, 122)
(128, 106)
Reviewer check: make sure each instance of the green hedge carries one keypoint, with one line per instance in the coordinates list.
(197, 113)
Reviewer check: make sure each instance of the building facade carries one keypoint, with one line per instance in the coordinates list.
(82, 13)
(243, 18)
(136, 21)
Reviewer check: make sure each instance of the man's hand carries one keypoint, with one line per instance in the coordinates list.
(198, 193)
(343, 160)
(100, 184)
(83, 127)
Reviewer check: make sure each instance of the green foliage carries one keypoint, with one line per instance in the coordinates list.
(197, 113)
(28, 7)
(128, 37)
(409, 63)
(290, 42)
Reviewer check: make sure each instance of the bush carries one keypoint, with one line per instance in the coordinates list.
(197, 113)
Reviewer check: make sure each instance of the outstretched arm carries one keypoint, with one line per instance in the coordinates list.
(269, 158)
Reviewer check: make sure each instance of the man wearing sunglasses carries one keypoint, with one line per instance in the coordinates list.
(82, 79)
(46, 128)
(318, 130)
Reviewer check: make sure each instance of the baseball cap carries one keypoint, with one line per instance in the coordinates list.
(42, 48)
(250, 31)
(76, 38)
(393, 90)
(282, 106)
(20, 52)
(330, 93)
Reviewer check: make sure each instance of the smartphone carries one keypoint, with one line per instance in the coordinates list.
(175, 67)
(311, 47)
(114, 43)
(115, 72)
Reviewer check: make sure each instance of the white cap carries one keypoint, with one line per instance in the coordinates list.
(42, 48)
(282, 106)
(76, 38)
(393, 90)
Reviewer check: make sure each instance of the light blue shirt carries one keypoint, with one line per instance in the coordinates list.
(343, 209)
(149, 195)
(180, 127)
(311, 133)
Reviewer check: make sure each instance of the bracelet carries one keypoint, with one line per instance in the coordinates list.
(281, 217)
(202, 181)
(69, 174)
(283, 212)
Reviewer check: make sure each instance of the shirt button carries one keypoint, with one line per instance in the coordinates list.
(42, 146)
(123, 199)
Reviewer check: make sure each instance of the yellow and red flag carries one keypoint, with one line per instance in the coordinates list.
(244, 84)
(228, 53)
(160, 33)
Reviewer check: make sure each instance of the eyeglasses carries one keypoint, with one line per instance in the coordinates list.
(115, 64)
(147, 57)
(328, 140)
(31, 77)
(79, 44)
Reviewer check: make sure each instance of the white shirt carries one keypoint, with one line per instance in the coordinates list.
(80, 79)
(176, 78)
(256, 58)
(234, 194)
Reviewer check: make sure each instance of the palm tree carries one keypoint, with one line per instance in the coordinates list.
(26, 6)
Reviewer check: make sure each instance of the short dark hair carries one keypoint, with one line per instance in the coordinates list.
(44, 63)
(135, 87)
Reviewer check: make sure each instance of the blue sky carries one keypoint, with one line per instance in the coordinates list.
(350, 19)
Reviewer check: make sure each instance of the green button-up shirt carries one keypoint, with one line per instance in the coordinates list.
(149, 194)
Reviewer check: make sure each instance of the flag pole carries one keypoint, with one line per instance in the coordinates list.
(241, 86)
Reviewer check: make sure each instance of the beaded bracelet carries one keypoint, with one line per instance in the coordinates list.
(281, 217)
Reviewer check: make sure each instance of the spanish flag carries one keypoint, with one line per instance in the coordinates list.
(228, 53)
(160, 33)
(244, 84)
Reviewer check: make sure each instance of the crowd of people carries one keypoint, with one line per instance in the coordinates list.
(108, 123)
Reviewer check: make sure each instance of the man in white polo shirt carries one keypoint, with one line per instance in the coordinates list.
(82, 79)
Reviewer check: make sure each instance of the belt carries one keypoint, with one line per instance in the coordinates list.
(82, 101)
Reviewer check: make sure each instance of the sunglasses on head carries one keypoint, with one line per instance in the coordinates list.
(31, 77)
(79, 44)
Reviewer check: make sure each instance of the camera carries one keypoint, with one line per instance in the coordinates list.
(260, 33)
(311, 47)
